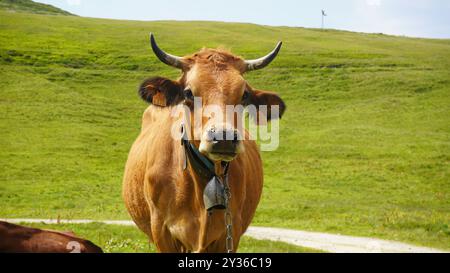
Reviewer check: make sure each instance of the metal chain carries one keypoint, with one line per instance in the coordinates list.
(228, 216)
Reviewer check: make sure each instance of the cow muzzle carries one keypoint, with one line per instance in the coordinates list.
(221, 143)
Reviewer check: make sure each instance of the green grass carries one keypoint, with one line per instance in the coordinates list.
(365, 141)
(112, 238)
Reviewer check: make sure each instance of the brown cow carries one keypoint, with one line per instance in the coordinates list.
(164, 198)
(16, 238)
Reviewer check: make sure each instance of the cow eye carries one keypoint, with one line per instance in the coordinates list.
(188, 94)
(245, 95)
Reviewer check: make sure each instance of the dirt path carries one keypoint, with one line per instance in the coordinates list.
(321, 241)
(335, 243)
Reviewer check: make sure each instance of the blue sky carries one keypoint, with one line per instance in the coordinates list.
(417, 18)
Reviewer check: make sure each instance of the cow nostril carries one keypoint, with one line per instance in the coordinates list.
(225, 136)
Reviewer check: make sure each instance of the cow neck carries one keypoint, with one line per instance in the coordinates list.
(200, 164)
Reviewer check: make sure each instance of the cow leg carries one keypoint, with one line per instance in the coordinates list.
(163, 239)
(220, 246)
(167, 244)
(144, 227)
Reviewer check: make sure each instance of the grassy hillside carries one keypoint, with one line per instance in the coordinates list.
(364, 143)
(31, 7)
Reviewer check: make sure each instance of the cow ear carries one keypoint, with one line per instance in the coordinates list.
(266, 104)
(161, 91)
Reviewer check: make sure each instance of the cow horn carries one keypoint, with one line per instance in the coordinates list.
(263, 61)
(164, 57)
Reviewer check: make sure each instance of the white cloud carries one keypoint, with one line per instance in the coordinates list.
(372, 3)
(74, 2)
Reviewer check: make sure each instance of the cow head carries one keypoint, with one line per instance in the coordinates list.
(213, 78)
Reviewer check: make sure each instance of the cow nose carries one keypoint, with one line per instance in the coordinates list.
(224, 141)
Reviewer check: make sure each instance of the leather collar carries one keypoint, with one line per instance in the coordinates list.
(201, 164)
